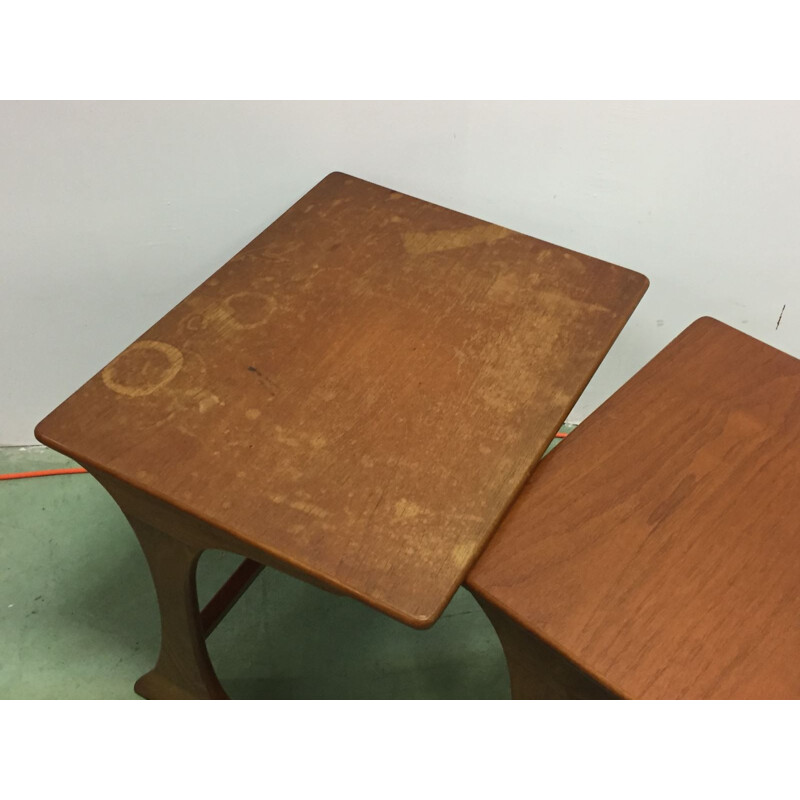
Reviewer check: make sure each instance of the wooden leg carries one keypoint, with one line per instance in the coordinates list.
(183, 670)
(536, 670)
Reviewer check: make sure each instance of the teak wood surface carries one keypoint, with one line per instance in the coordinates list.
(356, 396)
(658, 547)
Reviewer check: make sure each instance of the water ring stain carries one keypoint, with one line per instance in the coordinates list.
(143, 368)
(249, 309)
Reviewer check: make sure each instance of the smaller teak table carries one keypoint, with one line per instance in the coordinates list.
(355, 398)
(655, 554)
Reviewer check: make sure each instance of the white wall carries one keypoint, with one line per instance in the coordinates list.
(110, 213)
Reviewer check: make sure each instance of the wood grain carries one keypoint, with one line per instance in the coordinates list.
(657, 548)
(359, 393)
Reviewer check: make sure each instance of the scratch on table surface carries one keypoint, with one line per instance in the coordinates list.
(780, 316)
(317, 440)
(375, 507)
(308, 508)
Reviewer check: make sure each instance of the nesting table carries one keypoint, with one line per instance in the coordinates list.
(655, 553)
(355, 398)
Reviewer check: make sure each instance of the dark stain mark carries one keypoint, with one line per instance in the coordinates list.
(781, 316)
(374, 509)
(270, 385)
(37, 598)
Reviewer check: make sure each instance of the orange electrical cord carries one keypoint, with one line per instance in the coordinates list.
(41, 473)
(78, 470)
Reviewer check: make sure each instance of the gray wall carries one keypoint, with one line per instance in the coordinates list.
(110, 213)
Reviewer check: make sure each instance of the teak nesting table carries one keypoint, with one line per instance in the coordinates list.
(355, 398)
(655, 553)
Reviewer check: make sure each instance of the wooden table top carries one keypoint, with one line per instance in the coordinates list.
(658, 546)
(360, 392)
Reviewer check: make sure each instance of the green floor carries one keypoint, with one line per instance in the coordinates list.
(78, 616)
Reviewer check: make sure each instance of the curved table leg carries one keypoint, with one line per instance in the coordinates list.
(537, 671)
(183, 670)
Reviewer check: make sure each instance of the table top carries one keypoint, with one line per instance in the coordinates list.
(658, 545)
(360, 392)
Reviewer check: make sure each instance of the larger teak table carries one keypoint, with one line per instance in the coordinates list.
(354, 398)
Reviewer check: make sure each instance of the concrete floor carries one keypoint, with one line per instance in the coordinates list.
(78, 615)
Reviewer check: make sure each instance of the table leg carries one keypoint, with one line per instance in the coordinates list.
(537, 671)
(183, 670)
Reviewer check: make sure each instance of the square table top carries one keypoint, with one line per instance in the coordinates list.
(658, 547)
(360, 392)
